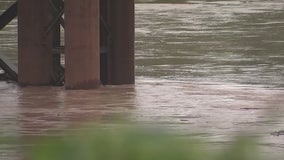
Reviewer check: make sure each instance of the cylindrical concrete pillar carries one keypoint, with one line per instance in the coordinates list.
(82, 48)
(122, 47)
(35, 58)
(105, 40)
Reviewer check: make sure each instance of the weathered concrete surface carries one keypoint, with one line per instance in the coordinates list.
(35, 59)
(82, 47)
(122, 49)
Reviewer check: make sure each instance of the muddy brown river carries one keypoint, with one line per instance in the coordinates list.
(211, 69)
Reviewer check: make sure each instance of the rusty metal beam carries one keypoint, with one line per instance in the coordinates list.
(8, 67)
(8, 15)
(58, 6)
(35, 61)
(56, 20)
(58, 73)
(82, 49)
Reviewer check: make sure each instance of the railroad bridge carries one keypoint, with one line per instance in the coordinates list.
(95, 47)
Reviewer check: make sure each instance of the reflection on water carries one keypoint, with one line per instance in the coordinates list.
(212, 69)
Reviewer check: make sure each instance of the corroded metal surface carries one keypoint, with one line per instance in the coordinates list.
(10, 69)
(8, 15)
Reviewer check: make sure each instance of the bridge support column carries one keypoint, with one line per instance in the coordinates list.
(122, 45)
(82, 48)
(34, 45)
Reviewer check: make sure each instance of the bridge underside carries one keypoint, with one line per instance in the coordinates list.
(98, 45)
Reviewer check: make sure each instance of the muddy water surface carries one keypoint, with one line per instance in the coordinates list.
(210, 69)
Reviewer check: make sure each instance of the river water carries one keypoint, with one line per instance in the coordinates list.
(212, 69)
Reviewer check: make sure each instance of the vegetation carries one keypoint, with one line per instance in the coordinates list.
(135, 144)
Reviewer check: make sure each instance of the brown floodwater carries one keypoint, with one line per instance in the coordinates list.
(212, 70)
(213, 112)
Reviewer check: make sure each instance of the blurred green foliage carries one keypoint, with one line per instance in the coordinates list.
(135, 144)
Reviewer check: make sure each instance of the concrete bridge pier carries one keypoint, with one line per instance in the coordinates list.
(122, 46)
(117, 35)
(99, 42)
(114, 66)
(34, 45)
(82, 44)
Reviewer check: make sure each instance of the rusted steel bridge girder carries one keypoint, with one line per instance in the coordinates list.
(8, 15)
